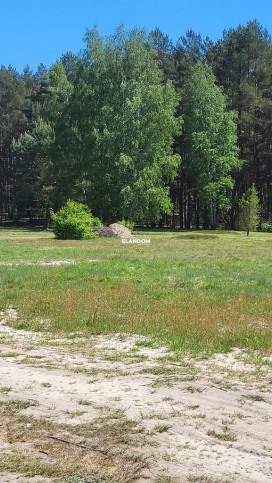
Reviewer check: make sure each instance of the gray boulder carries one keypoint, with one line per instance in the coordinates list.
(114, 230)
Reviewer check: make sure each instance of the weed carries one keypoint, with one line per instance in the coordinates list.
(9, 354)
(5, 390)
(225, 436)
(165, 479)
(161, 428)
(167, 399)
(87, 478)
(84, 402)
(17, 404)
(158, 370)
(202, 479)
(193, 389)
(147, 343)
(74, 414)
(254, 397)
(187, 446)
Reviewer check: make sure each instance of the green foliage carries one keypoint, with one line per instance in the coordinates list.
(16, 117)
(74, 222)
(210, 132)
(99, 127)
(114, 138)
(242, 63)
(32, 167)
(128, 224)
(60, 90)
(96, 221)
(265, 226)
(249, 211)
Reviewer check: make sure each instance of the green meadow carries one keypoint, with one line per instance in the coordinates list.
(197, 292)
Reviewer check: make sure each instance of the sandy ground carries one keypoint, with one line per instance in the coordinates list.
(203, 420)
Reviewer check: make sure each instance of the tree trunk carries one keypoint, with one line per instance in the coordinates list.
(181, 206)
(47, 217)
(213, 216)
(197, 212)
(188, 213)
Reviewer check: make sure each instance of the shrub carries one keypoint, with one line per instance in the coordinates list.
(265, 226)
(96, 221)
(74, 221)
(127, 224)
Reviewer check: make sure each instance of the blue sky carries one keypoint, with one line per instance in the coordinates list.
(35, 31)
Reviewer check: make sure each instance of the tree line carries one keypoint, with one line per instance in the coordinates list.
(138, 128)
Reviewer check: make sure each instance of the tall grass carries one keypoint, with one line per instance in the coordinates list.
(197, 292)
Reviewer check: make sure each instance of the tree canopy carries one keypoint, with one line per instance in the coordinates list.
(115, 135)
(104, 127)
(210, 133)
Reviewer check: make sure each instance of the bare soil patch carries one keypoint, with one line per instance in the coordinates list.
(110, 409)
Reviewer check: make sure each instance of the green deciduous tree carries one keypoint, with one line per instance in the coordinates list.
(114, 139)
(210, 136)
(60, 90)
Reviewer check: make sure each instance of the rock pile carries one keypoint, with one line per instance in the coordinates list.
(115, 230)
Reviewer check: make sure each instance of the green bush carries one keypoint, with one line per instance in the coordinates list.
(96, 221)
(74, 221)
(127, 224)
(265, 226)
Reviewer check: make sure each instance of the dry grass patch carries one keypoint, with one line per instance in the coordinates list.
(107, 448)
(165, 479)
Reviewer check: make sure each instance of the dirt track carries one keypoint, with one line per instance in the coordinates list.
(202, 421)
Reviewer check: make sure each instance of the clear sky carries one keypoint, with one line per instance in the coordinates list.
(35, 31)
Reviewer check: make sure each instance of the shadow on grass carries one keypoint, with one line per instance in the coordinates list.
(22, 226)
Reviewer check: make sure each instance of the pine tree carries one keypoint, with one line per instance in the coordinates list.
(242, 63)
(249, 211)
(33, 179)
(14, 111)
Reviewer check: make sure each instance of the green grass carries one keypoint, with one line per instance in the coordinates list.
(194, 291)
(225, 436)
(5, 390)
(161, 428)
(16, 404)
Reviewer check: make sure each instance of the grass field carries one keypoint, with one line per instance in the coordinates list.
(119, 408)
(198, 292)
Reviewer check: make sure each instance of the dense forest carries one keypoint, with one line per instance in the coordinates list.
(141, 129)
